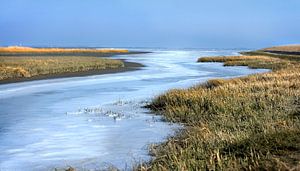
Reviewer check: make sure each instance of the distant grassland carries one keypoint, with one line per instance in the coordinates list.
(247, 123)
(283, 52)
(19, 49)
(250, 61)
(26, 67)
(290, 48)
(26, 62)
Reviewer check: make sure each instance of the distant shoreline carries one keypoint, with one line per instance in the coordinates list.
(91, 54)
(128, 66)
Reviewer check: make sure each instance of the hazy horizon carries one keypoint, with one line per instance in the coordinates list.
(149, 24)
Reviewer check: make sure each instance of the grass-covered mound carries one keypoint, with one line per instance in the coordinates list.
(250, 123)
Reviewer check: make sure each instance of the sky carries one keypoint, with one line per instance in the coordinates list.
(150, 23)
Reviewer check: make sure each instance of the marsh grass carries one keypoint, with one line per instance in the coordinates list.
(20, 49)
(291, 52)
(247, 123)
(250, 61)
(26, 67)
(288, 48)
(278, 54)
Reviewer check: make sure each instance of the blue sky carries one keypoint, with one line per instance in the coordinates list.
(150, 23)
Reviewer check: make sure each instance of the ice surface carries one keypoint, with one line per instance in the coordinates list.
(97, 121)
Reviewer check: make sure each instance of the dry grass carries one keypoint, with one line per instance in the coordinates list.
(251, 61)
(289, 48)
(19, 49)
(20, 67)
(291, 52)
(248, 123)
(291, 57)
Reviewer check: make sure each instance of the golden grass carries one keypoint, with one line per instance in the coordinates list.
(26, 67)
(248, 123)
(251, 61)
(235, 58)
(288, 48)
(19, 49)
(281, 55)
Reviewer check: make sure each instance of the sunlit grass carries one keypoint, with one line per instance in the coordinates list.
(289, 48)
(251, 61)
(282, 52)
(248, 123)
(26, 67)
(20, 49)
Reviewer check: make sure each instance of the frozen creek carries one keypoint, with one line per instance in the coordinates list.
(93, 122)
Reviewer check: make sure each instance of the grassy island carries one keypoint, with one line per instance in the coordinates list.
(246, 123)
(20, 67)
(29, 50)
(25, 63)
